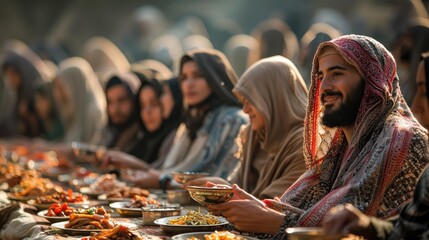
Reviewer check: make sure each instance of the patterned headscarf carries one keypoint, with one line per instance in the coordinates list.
(378, 170)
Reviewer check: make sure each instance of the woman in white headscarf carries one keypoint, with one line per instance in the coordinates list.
(84, 111)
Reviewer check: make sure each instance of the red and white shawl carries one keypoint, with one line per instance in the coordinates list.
(388, 151)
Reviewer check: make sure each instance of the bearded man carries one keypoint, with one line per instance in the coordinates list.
(362, 145)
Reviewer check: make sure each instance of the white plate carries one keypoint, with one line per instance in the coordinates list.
(121, 208)
(52, 219)
(91, 193)
(71, 231)
(176, 229)
(200, 235)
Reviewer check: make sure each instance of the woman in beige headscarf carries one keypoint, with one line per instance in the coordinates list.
(275, 98)
(105, 58)
(84, 102)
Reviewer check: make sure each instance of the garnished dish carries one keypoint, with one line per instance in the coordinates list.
(191, 222)
(216, 235)
(61, 212)
(195, 218)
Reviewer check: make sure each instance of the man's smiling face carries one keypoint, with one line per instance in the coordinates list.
(341, 89)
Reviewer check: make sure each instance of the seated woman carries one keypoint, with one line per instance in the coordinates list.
(275, 98)
(159, 115)
(122, 130)
(83, 101)
(47, 112)
(205, 141)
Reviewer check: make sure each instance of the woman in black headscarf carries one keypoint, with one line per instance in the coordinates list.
(158, 126)
(122, 130)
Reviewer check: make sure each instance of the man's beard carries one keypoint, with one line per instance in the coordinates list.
(345, 115)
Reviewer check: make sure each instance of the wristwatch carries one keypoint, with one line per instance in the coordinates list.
(164, 179)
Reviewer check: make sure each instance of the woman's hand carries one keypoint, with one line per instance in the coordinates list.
(143, 179)
(122, 160)
(346, 219)
(247, 213)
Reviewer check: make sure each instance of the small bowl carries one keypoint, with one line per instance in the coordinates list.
(180, 196)
(150, 214)
(184, 177)
(308, 233)
(208, 195)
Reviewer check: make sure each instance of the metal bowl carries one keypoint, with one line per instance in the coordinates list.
(306, 233)
(150, 214)
(180, 196)
(209, 195)
(184, 177)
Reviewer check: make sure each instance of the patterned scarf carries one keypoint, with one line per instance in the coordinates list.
(378, 170)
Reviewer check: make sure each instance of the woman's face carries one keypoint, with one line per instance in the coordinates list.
(194, 86)
(167, 101)
(13, 78)
(63, 95)
(150, 109)
(420, 106)
(42, 105)
(257, 120)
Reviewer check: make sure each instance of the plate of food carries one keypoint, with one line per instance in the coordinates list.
(120, 232)
(83, 224)
(73, 199)
(53, 218)
(61, 212)
(192, 222)
(224, 235)
(133, 208)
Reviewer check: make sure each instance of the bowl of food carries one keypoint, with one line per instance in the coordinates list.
(179, 196)
(226, 235)
(210, 195)
(184, 177)
(308, 233)
(191, 222)
(152, 213)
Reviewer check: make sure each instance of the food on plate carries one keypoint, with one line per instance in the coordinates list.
(64, 210)
(195, 218)
(118, 233)
(107, 182)
(67, 197)
(60, 210)
(90, 221)
(141, 201)
(30, 186)
(126, 192)
(13, 174)
(220, 235)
